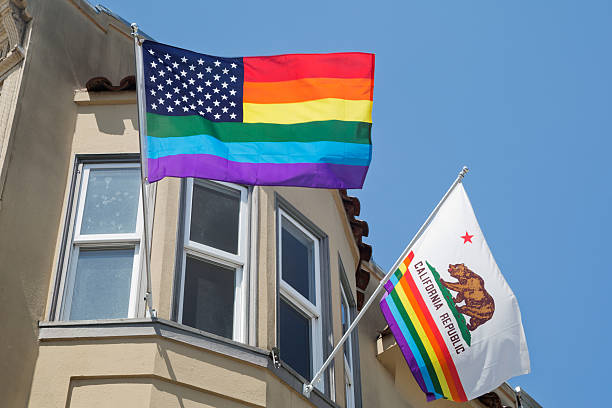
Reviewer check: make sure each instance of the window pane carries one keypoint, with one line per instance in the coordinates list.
(348, 394)
(294, 339)
(208, 302)
(215, 216)
(345, 325)
(102, 284)
(111, 203)
(298, 260)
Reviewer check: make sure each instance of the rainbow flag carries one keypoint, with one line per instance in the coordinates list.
(290, 120)
(419, 338)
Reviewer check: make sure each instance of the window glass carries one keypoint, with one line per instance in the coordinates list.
(111, 204)
(345, 312)
(214, 249)
(349, 393)
(345, 325)
(298, 260)
(209, 297)
(102, 284)
(215, 216)
(294, 339)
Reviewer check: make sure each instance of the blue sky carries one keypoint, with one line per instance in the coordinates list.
(519, 91)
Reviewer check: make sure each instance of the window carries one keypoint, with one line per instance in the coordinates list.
(212, 294)
(103, 270)
(349, 382)
(299, 316)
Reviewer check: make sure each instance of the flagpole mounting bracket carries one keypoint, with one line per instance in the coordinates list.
(135, 33)
(149, 300)
(307, 389)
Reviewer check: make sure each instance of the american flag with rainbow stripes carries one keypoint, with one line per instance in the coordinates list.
(291, 120)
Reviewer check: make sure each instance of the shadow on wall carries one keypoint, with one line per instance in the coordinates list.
(112, 119)
(164, 354)
(19, 350)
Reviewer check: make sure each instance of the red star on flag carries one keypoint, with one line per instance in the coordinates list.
(467, 238)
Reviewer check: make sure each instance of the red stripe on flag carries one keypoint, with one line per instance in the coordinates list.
(409, 258)
(296, 66)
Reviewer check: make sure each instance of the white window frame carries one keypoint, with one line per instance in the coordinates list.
(101, 241)
(349, 377)
(238, 262)
(297, 300)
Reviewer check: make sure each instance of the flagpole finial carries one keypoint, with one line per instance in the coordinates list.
(134, 28)
(463, 172)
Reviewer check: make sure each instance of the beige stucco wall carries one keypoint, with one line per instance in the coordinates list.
(150, 372)
(163, 249)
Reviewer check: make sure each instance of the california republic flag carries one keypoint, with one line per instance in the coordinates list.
(451, 311)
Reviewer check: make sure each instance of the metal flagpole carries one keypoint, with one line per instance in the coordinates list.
(140, 98)
(307, 389)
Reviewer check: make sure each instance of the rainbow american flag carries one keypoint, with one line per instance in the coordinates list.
(291, 120)
(419, 338)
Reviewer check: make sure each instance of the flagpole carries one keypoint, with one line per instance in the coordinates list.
(140, 98)
(307, 389)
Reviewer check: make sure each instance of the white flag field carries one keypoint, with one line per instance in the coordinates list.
(451, 311)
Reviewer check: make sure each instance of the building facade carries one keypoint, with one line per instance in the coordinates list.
(252, 286)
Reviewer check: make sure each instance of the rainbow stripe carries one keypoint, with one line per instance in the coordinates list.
(294, 120)
(419, 338)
